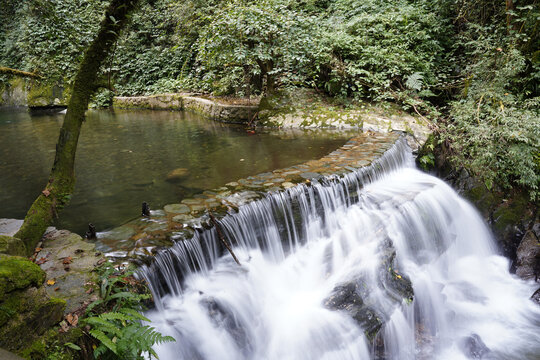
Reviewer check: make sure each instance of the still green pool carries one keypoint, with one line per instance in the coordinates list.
(127, 157)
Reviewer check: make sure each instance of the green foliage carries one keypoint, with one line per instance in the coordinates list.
(102, 99)
(380, 48)
(494, 125)
(115, 320)
(48, 37)
(256, 43)
(475, 62)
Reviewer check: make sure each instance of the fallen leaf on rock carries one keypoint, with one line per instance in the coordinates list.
(140, 236)
(56, 288)
(46, 192)
(72, 319)
(41, 261)
(101, 261)
(67, 260)
(51, 282)
(89, 291)
(38, 249)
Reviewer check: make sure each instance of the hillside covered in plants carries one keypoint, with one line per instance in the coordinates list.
(470, 68)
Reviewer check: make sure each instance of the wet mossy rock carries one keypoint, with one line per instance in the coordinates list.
(12, 246)
(26, 311)
(510, 213)
(52, 341)
(42, 94)
(13, 93)
(18, 273)
(354, 297)
(528, 257)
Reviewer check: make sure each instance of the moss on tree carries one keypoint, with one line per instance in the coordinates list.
(59, 188)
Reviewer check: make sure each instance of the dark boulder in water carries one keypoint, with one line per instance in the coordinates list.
(536, 296)
(346, 297)
(473, 347)
(353, 297)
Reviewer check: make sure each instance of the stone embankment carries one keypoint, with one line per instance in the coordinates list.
(229, 113)
(177, 221)
(33, 94)
(298, 115)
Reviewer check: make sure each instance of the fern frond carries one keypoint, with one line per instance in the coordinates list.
(135, 314)
(414, 81)
(104, 339)
(103, 325)
(118, 316)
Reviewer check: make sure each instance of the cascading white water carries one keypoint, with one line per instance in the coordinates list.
(300, 248)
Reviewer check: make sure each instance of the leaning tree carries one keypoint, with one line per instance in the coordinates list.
(57, 192)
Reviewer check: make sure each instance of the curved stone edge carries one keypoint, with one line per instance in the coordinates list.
(186, 101)
(143, 237)
(418, 130)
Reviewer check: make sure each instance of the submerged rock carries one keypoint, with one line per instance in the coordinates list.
(473, 347)
(177, 209)
(226, 320)
(177, 175)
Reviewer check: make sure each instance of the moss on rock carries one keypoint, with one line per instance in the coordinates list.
(27, 315)
(18, 273)
(11, 246)
(52, 345)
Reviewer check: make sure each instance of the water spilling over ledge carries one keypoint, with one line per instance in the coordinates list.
(383, 262)
(146, 236)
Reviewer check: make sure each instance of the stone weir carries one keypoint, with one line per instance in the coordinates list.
(142, 238)
(228, 113)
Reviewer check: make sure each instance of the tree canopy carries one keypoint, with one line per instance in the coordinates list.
(471, 67)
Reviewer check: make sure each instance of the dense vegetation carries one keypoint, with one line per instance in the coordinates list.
(470, 66)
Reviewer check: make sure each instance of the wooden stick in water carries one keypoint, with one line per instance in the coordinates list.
(222, 238)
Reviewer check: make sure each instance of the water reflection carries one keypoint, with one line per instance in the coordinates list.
(124, 158)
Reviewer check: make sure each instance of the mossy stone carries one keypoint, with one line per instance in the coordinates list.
(11, 246)
(40, 94)
(28, 314)
(177, 208)
(18, 273)
(510, 213)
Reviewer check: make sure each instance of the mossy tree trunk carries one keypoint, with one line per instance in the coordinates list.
(61, 182)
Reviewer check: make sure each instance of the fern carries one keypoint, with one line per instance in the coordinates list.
(104, 339)
(115, 321)
(415, 81)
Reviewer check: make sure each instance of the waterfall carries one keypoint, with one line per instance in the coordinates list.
(384, 263)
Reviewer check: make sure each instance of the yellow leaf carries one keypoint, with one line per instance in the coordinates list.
(51, 282)
(398, 276)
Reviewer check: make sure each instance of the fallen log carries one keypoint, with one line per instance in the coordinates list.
(10, 71)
